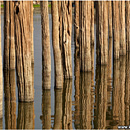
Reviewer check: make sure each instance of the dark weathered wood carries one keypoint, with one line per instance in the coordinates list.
(115, 15)
(9, 45)
(84, 24)
(56, 45)
(122, 28)
(23, 51)
(46, 55)
(76, 24)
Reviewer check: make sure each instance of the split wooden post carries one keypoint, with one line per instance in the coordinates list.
(122, 28)
(76, 24)
(9, 45)
(115, 15)
(23, 51)
(56, 45)
(46, 55)
(110, 18)
(1, 73)
(84, 24)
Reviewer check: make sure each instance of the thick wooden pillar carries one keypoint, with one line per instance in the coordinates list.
(9, 45)
(56, 45)
(115, 16)
(46, 55)
(84, 24)
(23, 51)
(110, 18)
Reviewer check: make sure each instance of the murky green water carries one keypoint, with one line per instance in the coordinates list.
(91, 100)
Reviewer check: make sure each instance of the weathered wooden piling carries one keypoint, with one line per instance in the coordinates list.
(23, 51)
(67, 105)
(76, 24)
(9, 45)
(46, 55)
(10, 99)
(110, 18)
(56, 45)
(58, 109)
(84, 26)
(115, 15)
(1, 73)
(26, 116)
(122, 28)
(127, 26)
(46, 109)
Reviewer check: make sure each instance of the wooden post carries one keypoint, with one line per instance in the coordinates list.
(85, 100)
(67, 105)
(26, 116)
(46, 55)
(122, 28)
(58, 109)
(56, 45)
(76, 24)
(110, 18)
(84, 24)
(115, 15)
(1, 74)
(10, 99)
(127, 25)
(9, 45)
(46, 109)
(23, 51)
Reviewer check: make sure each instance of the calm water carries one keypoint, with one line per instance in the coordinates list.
(91, 100)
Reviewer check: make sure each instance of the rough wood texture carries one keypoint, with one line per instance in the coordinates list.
(84, 24)
(115, 15)
(122, 28)
(9, 45)
(46, 55)
(26, 116)
(76, 24)
(66, 38)
(110, 18)
(23, 51)
(10, 99)
(127, 25)
(58, 109)
(1, 73)
(56, 45)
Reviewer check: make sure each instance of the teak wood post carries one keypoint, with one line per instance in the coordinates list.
(76, 24)
(9, 45)
(122, 28)
(115, 16)
(110, 18)
(84, 24)
(56, 45)
(46, 55)
(1, 74)
(127, 26)
(23, 51)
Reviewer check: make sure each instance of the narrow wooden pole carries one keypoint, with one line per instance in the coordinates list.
(66, 38)
(1, 73)
(85, 47)
(9, 45)
(110, 18)
(10, 99)
(127, 26)
(76, 24)
(26, 116)
(23, 52)
(122, 29)
(56, 45)
(115, 15)
(46, 55)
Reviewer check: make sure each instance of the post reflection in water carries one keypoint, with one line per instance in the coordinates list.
(67, 105)
(25, 119)
(10, 99)
(85, 101)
